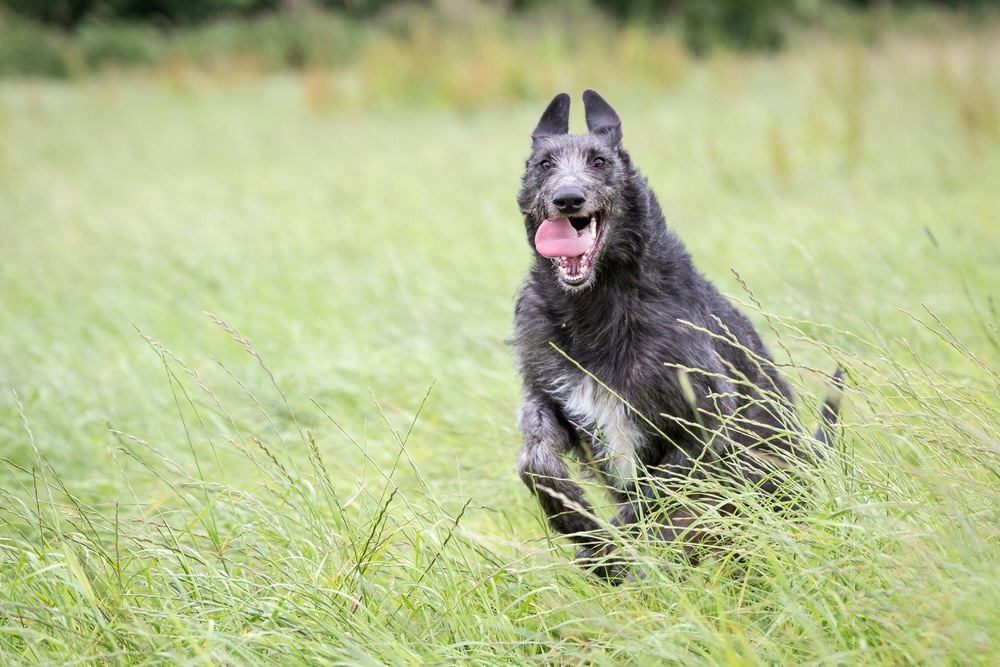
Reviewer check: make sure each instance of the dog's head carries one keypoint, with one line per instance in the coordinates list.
(573, 187)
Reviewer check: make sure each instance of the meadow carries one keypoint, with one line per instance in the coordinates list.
(256, 407)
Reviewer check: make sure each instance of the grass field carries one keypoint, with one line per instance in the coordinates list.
(255, 405)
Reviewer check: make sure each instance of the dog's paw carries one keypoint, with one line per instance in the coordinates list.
(605, 562)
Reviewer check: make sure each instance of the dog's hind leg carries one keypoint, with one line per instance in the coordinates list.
(670, 514)
(541, 466)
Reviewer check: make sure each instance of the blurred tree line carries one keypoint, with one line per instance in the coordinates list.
(63, 38)
(732, 16)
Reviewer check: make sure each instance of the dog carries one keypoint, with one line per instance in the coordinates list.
(631, 360)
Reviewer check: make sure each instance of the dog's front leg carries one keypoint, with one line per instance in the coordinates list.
(543, 470)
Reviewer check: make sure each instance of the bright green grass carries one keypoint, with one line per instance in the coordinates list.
(346, 493)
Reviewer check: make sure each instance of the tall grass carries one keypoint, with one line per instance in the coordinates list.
(289, 561)
(322, 470)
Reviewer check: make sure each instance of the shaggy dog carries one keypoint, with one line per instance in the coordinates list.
(631, 360)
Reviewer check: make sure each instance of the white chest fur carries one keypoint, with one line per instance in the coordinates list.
(616, 435)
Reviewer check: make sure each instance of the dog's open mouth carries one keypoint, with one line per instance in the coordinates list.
(572, 244)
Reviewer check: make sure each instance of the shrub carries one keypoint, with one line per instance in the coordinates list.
(28, 49)
(118, 44)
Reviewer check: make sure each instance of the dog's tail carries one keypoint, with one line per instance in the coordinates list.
(830, 413)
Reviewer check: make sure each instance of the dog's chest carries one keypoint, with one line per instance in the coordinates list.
(613, 429)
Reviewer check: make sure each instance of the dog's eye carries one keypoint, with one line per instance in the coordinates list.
(545, 165)
(598, 162)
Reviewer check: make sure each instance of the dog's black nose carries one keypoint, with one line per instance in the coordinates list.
(569, 201)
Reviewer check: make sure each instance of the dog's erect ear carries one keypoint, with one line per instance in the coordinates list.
(601, 118)
(555, 120)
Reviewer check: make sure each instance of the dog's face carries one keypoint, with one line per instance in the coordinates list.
(571, 188)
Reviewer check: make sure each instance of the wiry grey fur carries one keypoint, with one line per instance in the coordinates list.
(643, 370)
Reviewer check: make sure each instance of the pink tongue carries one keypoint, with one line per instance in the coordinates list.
(557, 238)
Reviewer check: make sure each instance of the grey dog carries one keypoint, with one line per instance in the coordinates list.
(631, 360)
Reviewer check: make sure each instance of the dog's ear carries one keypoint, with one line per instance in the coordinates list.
(601, 118)
(555, 120)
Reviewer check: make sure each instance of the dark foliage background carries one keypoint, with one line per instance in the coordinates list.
(754, 17)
